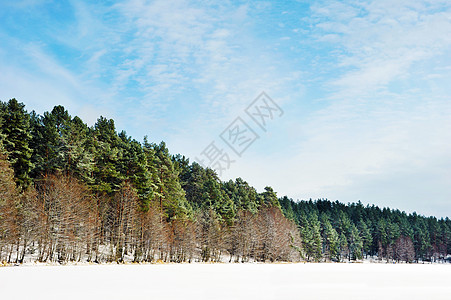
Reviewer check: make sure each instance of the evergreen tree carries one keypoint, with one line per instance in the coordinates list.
(214, 197)
(2, 136)
(365, 236)
(182, 167)
(132, 165)
(182, 206)
(105, 142)
(421, 240)
(311, 237)
(269, 198)
(152, 170)
(79, 158)
(382, 238)
(393, 235)
(194, 182)
(16, 131)
(330, 240)
(170, 195)
(246, 196)
(344, 224)
(355, 244)
(287, 209)
(39, 145)
(59, 145)
(343, 246)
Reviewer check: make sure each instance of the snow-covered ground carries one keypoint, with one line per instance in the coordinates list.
(228, 281)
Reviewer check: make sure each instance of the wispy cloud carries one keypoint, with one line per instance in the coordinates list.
(387, 117)
(364, 84)
(381, 41)
(382, 132)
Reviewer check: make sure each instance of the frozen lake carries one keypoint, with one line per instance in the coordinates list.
(228, 281)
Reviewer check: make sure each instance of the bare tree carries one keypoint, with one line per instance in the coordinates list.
(209, 235)
(404, 249)
(276, 236)
(125, 212)
(9, 227)
(67, 215)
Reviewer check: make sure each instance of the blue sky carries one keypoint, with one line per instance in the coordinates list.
(364, 85)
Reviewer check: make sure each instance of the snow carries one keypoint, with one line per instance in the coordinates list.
(228, 281)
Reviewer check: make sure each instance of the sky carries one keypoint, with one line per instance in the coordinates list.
(358, 93)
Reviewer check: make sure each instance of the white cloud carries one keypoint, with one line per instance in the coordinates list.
(182, 70)
(382, 40)
(185, 48)
(386, 135)
(36, 78)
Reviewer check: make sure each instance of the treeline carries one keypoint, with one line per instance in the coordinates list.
(336, 231)
(69, 192)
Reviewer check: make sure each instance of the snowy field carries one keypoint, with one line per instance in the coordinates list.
(228, 281)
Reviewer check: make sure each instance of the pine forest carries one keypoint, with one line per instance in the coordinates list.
(74, 193)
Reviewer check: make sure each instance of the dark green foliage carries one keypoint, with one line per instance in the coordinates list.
(311, 237)
(343, 248)
(182, 194)
(79, 160)
(169, 192)
(60, 145)
(242, 194)
(287, 209)
(365, 236)
(132, 165)
(368, 230)
(205, 191)
(355, 244)
(330, 239)
(105, 144)
(269, 198)
(2, 136)
(16, 132)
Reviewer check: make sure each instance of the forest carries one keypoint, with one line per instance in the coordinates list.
(70, 192)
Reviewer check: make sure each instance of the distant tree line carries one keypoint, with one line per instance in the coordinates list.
(335, 231)
(70, 192)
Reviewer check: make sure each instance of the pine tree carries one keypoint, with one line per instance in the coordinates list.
(343, 246)
(79, 158)
(393, 235)
(315, 227)
(2, 136)
(132, 165)
(105, 142)
(344, 224)
(287, 209)
(246, 196)
(269, 198)
(365, 236)
(16, 131)
(330, 240)
(39, 145)
(193, 183)
(421, 240)
(311, 236)
(59, 145)
(182, 207)
(355, 244)
(383, 238)
(171, 196)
